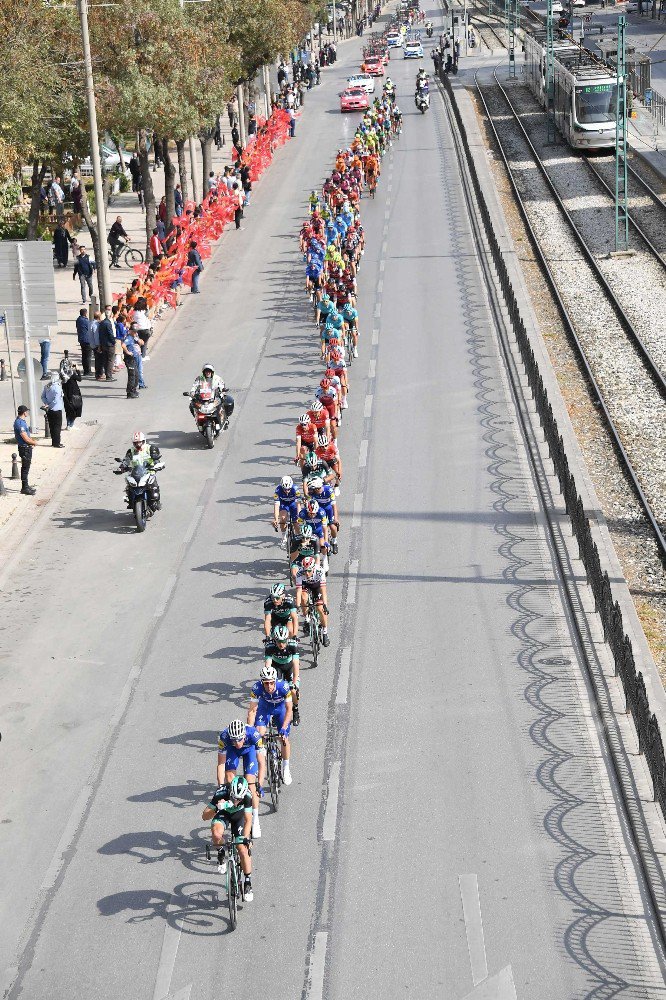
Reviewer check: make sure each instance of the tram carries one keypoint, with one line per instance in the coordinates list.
(585, 93)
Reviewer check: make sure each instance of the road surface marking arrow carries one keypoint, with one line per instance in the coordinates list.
(499, 987)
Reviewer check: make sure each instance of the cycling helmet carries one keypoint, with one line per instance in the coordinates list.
(277, 590)
(316, 483)
(309, 563)
(330, 374)
(306, 531)
(286, 482)
(305, 419)
(281, 633)
(325, 383)
(317, 406)
(138, 438)
(268, 673)
(336, 355)
(312, 507)
(236, 730)
(323, 440)
(238, 788)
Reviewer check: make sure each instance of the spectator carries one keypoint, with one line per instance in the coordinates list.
(292, 123)
(282, 77)
(129, 357)
(252, 124)
(139, 345)
(210, 182)
(53, 405)
(157, 152)
(217, 134)
(97, 351)
(232, 111)
(83, 337)
(235, 139)
(162, 211)
(116, 236)
(135, 171)
(239, 197)
(57, 198)
(61, 244)
(246, 182)
(107, 343)
(45, 353)
(155, 244)
(25, 444)
(83, 269)
(143, 324)
(70, 377)
(194, 260)
(178, 200)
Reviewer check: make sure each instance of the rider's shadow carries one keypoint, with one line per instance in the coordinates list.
(191, 908)
(180, 796)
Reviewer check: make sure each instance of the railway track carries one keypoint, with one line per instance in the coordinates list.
(629, 385)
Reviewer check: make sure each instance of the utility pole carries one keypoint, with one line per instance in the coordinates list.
(621, 211)
(267, 89)
(550, 74)
(103, 273)
(194, 170)
(514, 22)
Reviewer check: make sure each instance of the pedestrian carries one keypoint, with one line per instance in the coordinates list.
(83, 337)
(155, 244)
(232, 111)
(53, 406)
(157, 152)
(281, 75)
(107, 342)
(129, 357)
(143, 324)
(83, 269)
(62, 241)
(25, 444)
(246, 181)
(162, 209)
(178, 200)
(139, 345)
(235, 139)
(194, 260)
(252, 124)
(135, 171)
(70, 376)
(93, 336)
(239, 197)
(45, 353)
(292, 123)
(210, 182)
(57, 198)
(217, 134)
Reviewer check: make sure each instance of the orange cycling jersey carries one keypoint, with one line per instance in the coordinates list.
(371, 165)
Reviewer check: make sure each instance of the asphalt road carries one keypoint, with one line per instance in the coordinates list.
(452, 817)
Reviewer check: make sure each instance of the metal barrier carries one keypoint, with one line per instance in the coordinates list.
(649, 735)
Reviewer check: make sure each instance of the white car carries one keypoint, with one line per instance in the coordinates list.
(557, 7)
(632, 6)
(412, 50)
(394, 40)
(363, 80)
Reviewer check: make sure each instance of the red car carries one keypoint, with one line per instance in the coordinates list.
(374, 65)
(354, 99)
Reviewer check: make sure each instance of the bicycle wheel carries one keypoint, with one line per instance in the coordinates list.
(314, 638)
(232, 891)
(273, 780)
(133, 256)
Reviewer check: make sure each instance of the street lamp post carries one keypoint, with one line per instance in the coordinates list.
(103, 274)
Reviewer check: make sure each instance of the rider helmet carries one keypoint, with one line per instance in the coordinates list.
(268, 673)
(323, 439)
(306, 531)
(281, 633)
(312, 507)
(236, 730)
(325, 383)
(239, 787)
(305, 419)
(316, 483)
(207, 368)
(309, 564)
(317, 406)
(286, 483)
(277, 591)
(138, 439)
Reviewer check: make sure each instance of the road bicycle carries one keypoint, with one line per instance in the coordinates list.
(129, 254)
(273, 763)
(349, 347)
(314, 622)
(228, 863)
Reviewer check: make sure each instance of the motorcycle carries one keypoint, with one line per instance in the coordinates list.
(205, 409)
(429, 30)
(422, 100)
(142, 492)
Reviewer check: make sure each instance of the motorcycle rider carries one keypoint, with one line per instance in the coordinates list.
(209, 380)
(422, 81)
(150, 456)
(429, 29)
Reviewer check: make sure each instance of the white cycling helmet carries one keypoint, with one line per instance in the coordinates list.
(286, 482)
(316, 483)
(268, 673)
(305, 419)
(236, 729)
(277, 590)
(317, 406)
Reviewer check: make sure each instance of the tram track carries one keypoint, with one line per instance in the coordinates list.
(628, 384)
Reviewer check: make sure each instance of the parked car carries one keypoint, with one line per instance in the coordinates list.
(110, 161)
(354, 99)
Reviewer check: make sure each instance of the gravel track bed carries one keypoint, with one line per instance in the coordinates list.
(593, 212)
(629, 529)
(642, 208)
(633, 401)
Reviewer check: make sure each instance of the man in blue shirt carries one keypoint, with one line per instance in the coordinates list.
(54, 406)
(83, 337)
(25, 445)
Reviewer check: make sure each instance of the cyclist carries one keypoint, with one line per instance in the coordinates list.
(231, 809)
(371, 171)
(240, 742)
(306, 435)
(327, 451)
(350, 316)
(281, 652)
(339, 367)
(285, 507)
(327, 393)
(311, 582)
(324, 495)
(319, 416)
(271, 699)
(279, 609)
(313, 465)
(305, 543)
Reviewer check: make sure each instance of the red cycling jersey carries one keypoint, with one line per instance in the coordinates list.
(318, 418)
(306, 432)
(328, 454)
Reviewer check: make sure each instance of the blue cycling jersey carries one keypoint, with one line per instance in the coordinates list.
(325, 497)
(285, 497)
(281, 694)
(252, 741)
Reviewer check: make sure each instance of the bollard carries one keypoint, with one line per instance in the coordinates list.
(15, 469)
(3, 370)
(47, 429)
(3, 491)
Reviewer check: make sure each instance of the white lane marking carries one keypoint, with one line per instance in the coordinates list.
(356, 513)
(52, 872)
(372, 368)
(387, 214)
(384, 247)
(499, 987)
(192, 526)
(343, 677)
(389, 186)
(167, 962)
(378, 310)
(367, 409)
(382, 266)
(166, 594)
(182, 994)
(331, 813)
(351, 589)
(363, 454)
(317, 966)
(375, 337)
(469, 893)
(380, 286)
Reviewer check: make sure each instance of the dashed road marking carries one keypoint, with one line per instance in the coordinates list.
(378, 310)
(363, 454)
(372, 368)
(52, 872)
(367, 409)
(469, 893)
(375, 337)
(380, 286)
(343, 677)
(166, 594)
(331, 813)
(167, 962)
(318, 966)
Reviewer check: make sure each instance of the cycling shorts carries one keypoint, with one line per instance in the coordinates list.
(328, 510)
(234, 823)
(291, 507)
(249, 757)
(330, 407)
(267, 712)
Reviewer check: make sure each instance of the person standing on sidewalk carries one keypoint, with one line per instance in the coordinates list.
(83, 337)
(130, 350)
(194, 260)
(141, 318)
(53, 404)
(239, 198)
(70, 376)
(25, 444)
(57, 199)
(107, 343)
(83, 269)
